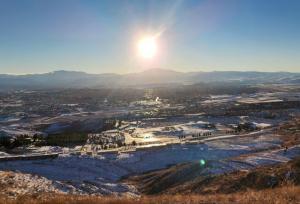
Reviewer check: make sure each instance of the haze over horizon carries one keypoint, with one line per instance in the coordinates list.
(192, 35)
(157, 70)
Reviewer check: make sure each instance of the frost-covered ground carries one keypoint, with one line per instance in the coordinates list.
(263, 97)
(169, 130)
(253, 160)
(14, 184)
(101, 174)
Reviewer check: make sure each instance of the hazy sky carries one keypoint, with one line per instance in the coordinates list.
(99, 36)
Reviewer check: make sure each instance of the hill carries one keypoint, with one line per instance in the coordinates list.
(185, 179)
(72, 79)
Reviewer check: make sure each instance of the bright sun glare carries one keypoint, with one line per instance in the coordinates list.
(147, 47)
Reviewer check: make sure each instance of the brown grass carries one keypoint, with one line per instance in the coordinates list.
(185, 179)
(290, 132)
(283, 195)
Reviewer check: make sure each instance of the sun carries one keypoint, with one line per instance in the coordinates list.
(147, 47)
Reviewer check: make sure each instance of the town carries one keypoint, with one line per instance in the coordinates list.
(148, 118)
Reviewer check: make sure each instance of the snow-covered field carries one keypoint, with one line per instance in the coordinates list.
(101, 174)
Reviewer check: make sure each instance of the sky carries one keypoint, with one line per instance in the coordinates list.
(101, 36)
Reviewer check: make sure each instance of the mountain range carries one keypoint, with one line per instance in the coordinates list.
(151, 77)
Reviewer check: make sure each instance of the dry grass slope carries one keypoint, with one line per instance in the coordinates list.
(185, 179)
(290, 132)
(282, 195)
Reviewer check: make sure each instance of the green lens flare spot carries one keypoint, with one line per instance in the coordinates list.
(202, 162)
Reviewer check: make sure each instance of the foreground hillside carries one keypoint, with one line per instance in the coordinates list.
(274, 184)
(283, 195)
(184, 179)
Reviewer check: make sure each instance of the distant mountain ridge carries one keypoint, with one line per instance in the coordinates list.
(74, 79)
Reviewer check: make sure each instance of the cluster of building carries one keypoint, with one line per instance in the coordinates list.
(107, 139)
